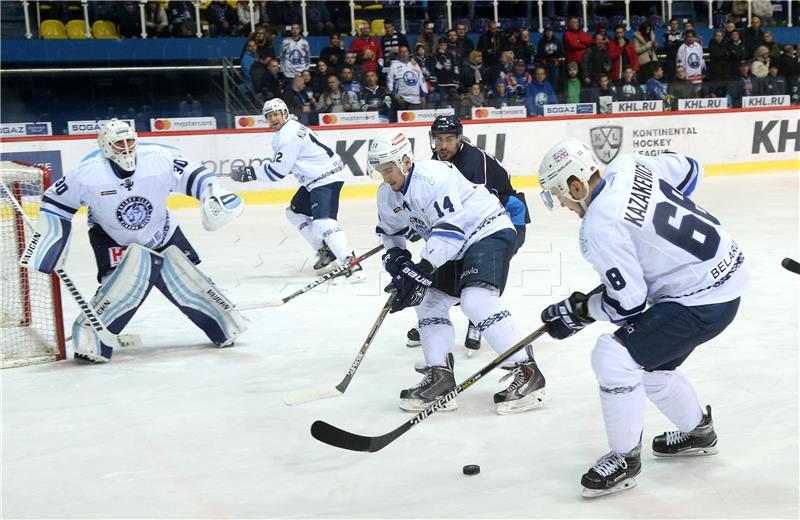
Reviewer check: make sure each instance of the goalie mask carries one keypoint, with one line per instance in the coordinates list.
(388, 146)
(117, 143)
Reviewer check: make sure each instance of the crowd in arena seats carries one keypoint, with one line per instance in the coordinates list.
(505, 69)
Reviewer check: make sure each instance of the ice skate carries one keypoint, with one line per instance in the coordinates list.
(527, 388)
(612, 473)
(698, 442)
(324, 259)
(473, 340)
(412, 338)
(437, 382)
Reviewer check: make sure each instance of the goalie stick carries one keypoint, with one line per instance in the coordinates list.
(345, 440)
(319, 281)
(305, 396)
(105, 336)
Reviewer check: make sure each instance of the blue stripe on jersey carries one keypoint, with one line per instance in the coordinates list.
(449, 227)
(622, 311)
(200, 183)
(192, 176)
(404, 189)
(272, 174)
(448, 234)
(689, 176)
(692, 185)
(63, 207)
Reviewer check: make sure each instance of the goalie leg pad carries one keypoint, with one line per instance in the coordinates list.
(220, 207)
(199, 299)
(117, 300)
(48, 244)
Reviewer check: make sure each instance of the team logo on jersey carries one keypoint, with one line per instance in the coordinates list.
(295, 57)
(694, 60)
(134, 212)
(409, 78)
(606, 142)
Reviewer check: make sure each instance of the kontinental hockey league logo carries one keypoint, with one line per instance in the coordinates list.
(606, 142)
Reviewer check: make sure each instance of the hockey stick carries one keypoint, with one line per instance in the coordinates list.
(339, 438)
(105, 336)
(305, 396)
(319, 281)
(791, 265)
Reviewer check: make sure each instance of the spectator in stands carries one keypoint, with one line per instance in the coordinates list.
(143, 118)
(129, 22)
(657, 87)
(295, 54)
(673, 39)
(736, 53)
(333, 54)
(348, 83)
(390, 44)
(718, 66)
(742, 86)
(540, 93)
(576, 41)
(406, 83)
(681, 87)
(190, 107)
(262, 39)
(351, 60)
(730, 28)
(243, 14)
(628, 89)
(248, 59)
(622, 52)
(155, 20)
(753, 36)
(337, 100)
(603, 94)
(319, 78)
(308, 88)
(772, 85)
(424, 61)
(596, 61)
(503, 68)
(464, 43)
(690, 57)
(374, 97)
(182, 23)
(498, 96)
(646, 44)
(428, 39)
(508, 41)
(489, 44)
(517, 83)
(601, 28)
(759, 67)
(773, 48)
(474, 71)
(572, 86)
(367, 49)
(474, 98)
(549, 54)
(689, 26)
(298, 102)
(259, 75)
(788, 65)
(454, 48)
(445, 76)
(221, 18)
(525, 50)
(794, 90)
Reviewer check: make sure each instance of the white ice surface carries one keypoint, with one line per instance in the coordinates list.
(180, 429)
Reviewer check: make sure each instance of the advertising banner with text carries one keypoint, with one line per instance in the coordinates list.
(419, 116)
(176, 124)
(92, 126)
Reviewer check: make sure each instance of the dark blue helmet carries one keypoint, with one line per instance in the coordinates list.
(446, 125)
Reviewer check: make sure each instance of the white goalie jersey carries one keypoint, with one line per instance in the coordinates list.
(445, 209)
(650, 243)
(300, 151)
(134, 209)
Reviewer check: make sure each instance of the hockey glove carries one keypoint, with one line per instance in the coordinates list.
(411, 282)
(567, 317)
(392, 259)
(243, 173)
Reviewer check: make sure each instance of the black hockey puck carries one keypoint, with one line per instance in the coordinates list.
(472, 469)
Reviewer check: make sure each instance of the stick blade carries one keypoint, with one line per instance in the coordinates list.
(306, 396)
(337, 438)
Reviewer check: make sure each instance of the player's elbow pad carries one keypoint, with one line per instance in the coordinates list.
(47, 247)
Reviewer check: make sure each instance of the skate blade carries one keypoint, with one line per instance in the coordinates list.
(625, 485)
(416, 405)
(411, 343)
(531, 401)
(692, 452)
(91, 358)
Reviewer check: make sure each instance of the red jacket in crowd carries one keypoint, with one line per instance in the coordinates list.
(575, 44)
(359, 45)
(615, 52)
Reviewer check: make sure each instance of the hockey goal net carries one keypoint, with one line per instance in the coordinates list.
(31, 324)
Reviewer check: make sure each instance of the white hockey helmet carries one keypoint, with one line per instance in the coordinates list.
(117, 143)
(388, 146)
(569, 158)
(276, 105)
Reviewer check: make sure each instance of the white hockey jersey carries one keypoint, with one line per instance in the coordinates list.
(295, 56)
(405, 80)
(299, 150)
(691, 59)
(444, 208)
(650, 243)
(131, 210)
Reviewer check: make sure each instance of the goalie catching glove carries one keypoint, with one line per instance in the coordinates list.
(409, 280)
(220, 207)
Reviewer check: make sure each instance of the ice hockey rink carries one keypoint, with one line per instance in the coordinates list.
(179, 429)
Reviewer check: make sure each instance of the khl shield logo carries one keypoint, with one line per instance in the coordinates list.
(606, 142)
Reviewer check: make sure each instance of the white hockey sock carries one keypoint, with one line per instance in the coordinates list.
(435, 328)
(621, 393)
(675, 396)
(303, 224)
(329, 231)
(483, 307)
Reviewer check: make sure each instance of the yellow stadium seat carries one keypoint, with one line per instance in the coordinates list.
(103, 29)
(234, 3)
(204, 4)
(359, 23)
(373, 6)
(53, 30)
(76, 29)
(377, 27)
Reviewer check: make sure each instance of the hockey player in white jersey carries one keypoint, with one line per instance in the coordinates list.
(136, 239)
(321, 173)
(469, 241)
(672, 278)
